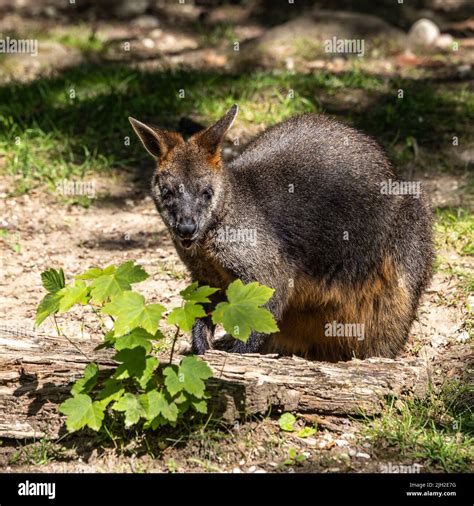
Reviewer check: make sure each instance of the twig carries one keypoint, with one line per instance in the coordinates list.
(174, 343)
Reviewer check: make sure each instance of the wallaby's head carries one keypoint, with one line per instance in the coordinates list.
(189, 184)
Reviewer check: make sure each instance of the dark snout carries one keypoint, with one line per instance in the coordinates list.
(186, 230)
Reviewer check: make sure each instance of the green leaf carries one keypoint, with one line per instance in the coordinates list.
(73, 294)
(53, 280)
(198, 294)
(49, 305)
(200, 406)
(168, 410)
(109, 341)
(133, 363)
(132, 407)
(185, 316)
(112, 391)
(242, 313)
(172, 382)
(155, 423)
(130, 311)
(286, 422)
(156, 404)
(149, 402)
(306, 432)
(81, 412)
(110, 283)
(96, 272)
(137, 337)
(191, 373)
(151, 363)
(88, 382)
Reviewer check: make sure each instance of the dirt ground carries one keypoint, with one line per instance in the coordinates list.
(121, 223)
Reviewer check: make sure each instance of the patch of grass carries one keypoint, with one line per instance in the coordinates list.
(427, 113)
(87, 43)
(168, 270)
(455, 229)
(437, 430)
(76, 123)
(217, 34)
(38, 453)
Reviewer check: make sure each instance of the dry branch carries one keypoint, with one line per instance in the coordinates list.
(36, 374)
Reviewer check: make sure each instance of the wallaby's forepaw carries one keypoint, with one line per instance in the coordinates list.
(200, 338)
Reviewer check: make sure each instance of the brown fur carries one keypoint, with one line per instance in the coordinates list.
(334, 249)
(380, 303)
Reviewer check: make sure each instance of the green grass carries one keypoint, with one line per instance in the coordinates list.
(216, 35)
(38, 453)
(455, 229)
(47, 134)
(437, 431)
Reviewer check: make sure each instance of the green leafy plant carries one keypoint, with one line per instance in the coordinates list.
(294, 457)
(140, 389)
(287, 423)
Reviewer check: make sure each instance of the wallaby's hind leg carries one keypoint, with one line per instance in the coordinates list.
(372, 318)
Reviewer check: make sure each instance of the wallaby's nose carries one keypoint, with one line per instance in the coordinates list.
(186, 227)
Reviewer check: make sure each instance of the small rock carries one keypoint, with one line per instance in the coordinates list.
(463, 337)
(439, 341)
(148, 43)
(362, 455)
(157, 32)
(252, 469)
(260, 471)
(236, 470)
(127, 9)
(290, 64)
(423, 34)
(444, 41)
(145, 22)
(464, 70)
(341, 442)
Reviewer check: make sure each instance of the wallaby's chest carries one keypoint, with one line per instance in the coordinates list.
(209, 265)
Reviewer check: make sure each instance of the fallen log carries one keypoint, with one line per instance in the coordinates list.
(36, 373)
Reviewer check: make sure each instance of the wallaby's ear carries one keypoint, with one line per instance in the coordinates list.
(157, 142)
(211, 138)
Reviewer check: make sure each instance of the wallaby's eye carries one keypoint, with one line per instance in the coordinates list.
(166, 192)
(207, 193)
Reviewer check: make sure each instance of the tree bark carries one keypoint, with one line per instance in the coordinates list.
(36, 375)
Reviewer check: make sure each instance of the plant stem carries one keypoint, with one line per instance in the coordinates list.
(61, 334)
(173, 345)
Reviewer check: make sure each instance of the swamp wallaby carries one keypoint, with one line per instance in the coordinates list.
(311, 208)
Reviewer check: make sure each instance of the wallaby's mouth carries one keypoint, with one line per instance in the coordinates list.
(187, 242)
